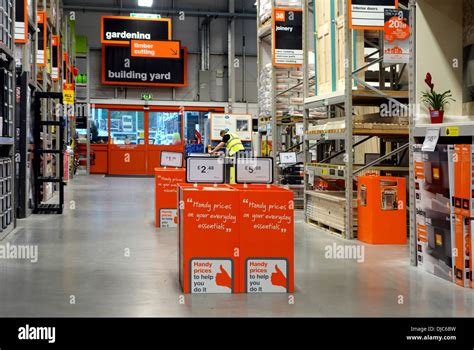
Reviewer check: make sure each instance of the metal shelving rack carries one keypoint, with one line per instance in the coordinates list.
(418, 130)
(7, 144)
(345, 100)
(83, 99)
(271, 124)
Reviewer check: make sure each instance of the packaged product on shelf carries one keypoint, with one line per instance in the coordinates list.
(297, 75)
(282, 100)
(289, 3)
(298, 101)
(265, 10)
(433, 215)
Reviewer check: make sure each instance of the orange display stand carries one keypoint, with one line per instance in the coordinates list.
(208, 238)
(166, 198)
(266, 227)
(382, 214)
(99, 158)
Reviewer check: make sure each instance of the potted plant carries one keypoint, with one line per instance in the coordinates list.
(436, 103)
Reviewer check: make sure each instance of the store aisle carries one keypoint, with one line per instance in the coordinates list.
(82, 258)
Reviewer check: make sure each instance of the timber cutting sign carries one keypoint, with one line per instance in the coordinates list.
(369, 14)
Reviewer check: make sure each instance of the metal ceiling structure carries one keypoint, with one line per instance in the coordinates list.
(192, 8)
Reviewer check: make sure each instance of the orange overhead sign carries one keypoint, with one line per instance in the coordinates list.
(156, 49)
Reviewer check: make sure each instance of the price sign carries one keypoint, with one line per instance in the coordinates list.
(205, 170)
(171, 159)
(431, 139)
(288, 158)
(254, 170)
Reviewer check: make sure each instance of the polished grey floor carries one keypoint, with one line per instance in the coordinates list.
(82, 258)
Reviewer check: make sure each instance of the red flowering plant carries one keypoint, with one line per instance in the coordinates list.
(433, 100)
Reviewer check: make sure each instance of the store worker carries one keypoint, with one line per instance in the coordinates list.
(231, 142)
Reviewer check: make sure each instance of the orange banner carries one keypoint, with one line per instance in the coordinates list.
(156, 49)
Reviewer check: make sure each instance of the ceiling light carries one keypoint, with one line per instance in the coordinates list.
(145, 3)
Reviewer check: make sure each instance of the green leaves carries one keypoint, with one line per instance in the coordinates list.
(436, 101)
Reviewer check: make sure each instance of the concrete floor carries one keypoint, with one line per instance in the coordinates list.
(81, 254)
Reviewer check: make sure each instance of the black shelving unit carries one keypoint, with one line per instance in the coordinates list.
(42, 123)
(7, 117)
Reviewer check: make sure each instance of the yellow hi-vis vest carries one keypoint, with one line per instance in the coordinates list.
(234, 144)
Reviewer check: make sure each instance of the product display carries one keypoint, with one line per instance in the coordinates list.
(166, 189)
(444, 211)
(266, 236)
(6, 188)
(208, 238)
(289, 91)
(236, 239)
(382, 210)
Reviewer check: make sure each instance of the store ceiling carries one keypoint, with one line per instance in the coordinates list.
(246, 6)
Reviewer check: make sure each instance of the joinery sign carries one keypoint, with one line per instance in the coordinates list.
(288, 37)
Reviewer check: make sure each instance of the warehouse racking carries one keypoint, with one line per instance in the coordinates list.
(439, 50)
(278, 121)
(82, 97)
(345, 87)
(7, 114)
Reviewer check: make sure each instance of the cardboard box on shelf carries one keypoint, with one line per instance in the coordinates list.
(433, 212)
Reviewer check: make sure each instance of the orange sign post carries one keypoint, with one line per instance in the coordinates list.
(166, 195)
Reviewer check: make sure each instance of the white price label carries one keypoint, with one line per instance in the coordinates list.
(254, 170)
(431, 139)
(171, 159)
(205, 170)
(288, 158)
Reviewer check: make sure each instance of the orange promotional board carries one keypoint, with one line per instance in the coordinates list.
(382, 210)
(166, 195)
(266, 225)
(236, 239)
(156, 49)
(208, 238)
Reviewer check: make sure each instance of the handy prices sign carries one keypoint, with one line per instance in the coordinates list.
(140, 52)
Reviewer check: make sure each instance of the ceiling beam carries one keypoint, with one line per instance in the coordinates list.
(165, 12)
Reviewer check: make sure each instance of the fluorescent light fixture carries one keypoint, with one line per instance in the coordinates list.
(145, 3)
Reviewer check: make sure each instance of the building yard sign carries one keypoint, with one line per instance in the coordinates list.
(140, 51)
(369, 14)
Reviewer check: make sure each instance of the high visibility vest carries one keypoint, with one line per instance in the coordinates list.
(234, 144)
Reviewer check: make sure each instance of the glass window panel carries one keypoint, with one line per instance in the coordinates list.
(100, 125)
(164, 128)
(127, 127)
